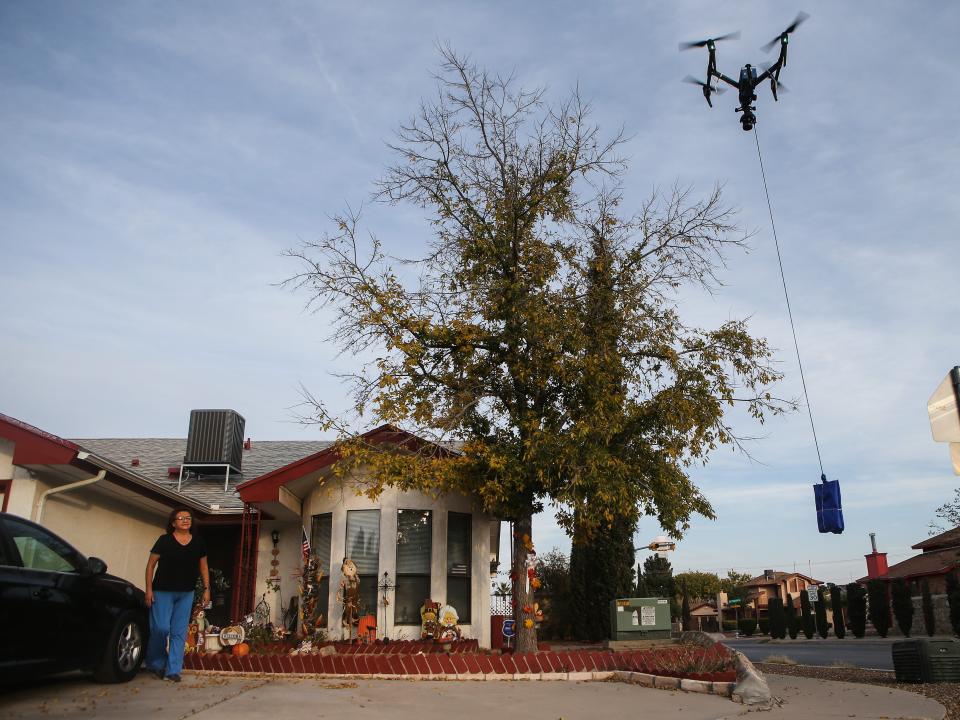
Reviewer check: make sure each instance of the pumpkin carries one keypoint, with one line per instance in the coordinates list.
(241, 649)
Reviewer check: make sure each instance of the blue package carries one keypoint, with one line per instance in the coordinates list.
(829, 510)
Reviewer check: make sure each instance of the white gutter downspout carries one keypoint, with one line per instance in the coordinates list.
(38, 510)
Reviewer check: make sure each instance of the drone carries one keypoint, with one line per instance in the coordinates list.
(749, 79)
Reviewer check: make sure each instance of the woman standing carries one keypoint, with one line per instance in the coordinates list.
(178, 557)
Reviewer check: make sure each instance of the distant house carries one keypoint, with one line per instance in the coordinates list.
(939, 556)
(703, 617)
(775, 584)
(111, 497)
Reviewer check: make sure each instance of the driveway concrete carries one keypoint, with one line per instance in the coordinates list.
(222, 697)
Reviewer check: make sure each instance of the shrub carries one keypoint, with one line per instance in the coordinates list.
(857, 609)
(902, 605)
(778, 622)
(821, 615)
(806, 618)
(879, 605)
(685, 613)
(747, 626)
(791, 619)
(729, 625)
(929, 621)
(836, 607)
(763, 626)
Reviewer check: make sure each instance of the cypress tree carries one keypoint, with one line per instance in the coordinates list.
(806, 618)
(953, 600)
(685, 613)
(879, 605)
(778, 629)
(793, 622)
(640, 590)
(836, 607)
(902, 605)
(857, 609)
(601, 570)
(821, 614)
(929, 621)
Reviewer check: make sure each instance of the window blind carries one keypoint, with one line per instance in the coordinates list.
(363, 540)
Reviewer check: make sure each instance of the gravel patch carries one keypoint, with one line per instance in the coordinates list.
(947, 694)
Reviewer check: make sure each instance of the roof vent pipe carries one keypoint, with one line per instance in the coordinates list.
(873, 541)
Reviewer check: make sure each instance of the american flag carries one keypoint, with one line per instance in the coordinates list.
(306, 546)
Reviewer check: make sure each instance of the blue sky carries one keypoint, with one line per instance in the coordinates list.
(157, 158)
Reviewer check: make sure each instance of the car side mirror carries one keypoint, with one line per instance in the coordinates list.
(96, 566)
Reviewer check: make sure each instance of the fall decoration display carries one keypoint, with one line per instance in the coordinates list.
(349, 595)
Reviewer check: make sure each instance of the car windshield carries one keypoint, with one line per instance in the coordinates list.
(41, 551)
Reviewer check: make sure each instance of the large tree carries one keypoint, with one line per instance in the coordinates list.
(483, 339)
(948, 515)
(700, 585)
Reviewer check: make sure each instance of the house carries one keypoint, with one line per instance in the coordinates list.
(939, 556)
(703, 616)
(775, 584)
(253, 502)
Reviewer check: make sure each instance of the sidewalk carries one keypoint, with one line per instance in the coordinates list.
(222, 697)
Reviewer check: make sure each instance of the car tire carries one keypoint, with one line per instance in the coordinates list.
(124, 651)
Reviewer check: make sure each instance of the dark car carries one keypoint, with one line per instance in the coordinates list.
(61, 611)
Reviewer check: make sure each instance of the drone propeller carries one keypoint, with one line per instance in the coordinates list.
(797, 22)
(708, 41)
(708, 90)
(719, 90)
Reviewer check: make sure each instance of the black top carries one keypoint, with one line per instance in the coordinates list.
(179, 565)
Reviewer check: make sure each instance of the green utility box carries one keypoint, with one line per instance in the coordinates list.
(927, 660)
(639, 618)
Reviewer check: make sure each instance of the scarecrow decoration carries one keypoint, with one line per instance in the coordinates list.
(449, 628)
(429, 620)
(349, 596)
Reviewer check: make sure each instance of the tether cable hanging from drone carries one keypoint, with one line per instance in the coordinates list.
(786, 295)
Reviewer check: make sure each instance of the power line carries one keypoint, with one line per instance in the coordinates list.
(786, 295)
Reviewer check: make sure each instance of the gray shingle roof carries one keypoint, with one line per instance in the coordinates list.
(156, 455)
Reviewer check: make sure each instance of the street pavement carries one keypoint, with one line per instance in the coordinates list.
(872, 652)
(223, 697)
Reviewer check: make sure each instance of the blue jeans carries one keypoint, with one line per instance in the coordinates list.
(169, 617)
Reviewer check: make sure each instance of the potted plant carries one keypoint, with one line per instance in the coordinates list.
(218, 589)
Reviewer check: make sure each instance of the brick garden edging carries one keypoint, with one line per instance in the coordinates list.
(438, 665)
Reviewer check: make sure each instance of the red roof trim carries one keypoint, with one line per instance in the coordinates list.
(266, 487)
(33, 446)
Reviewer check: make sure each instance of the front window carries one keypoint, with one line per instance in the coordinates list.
(414, 549)
(363, 547)
(459, 546)
(321, 530)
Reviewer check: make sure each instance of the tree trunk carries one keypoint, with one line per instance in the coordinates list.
(522, 591)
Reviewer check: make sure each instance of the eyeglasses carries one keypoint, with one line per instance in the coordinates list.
(184, 518)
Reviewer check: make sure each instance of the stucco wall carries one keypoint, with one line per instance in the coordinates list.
(118, 533)
(338, 498)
